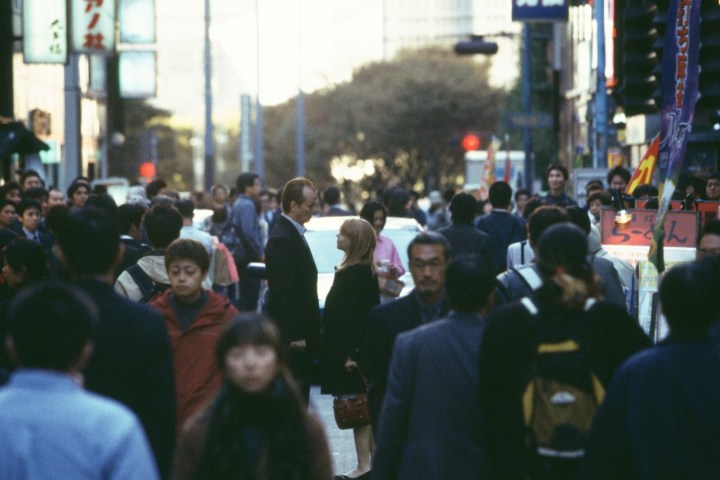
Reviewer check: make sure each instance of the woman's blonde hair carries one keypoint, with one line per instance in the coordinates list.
(360, 242)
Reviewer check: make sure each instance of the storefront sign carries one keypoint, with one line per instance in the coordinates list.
(45, 31)
(681, 228)
(93, 26)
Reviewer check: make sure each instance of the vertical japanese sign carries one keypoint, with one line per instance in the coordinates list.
(93, 26)
(45, 27)
(681, 72)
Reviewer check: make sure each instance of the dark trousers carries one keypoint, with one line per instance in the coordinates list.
(249, 290)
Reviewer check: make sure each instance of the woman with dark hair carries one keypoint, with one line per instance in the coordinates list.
(78, 193)
(386, 255)
(347, 312)
(566, 308)
(257, 427)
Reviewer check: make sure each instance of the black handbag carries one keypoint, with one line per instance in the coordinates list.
(352, 412)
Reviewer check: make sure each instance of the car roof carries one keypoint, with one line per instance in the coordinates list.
(333, 223)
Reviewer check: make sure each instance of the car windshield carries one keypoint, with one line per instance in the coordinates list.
(323, 244)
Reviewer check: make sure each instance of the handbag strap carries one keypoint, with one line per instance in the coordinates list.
(357, 368)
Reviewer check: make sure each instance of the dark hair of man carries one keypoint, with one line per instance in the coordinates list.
(500, 195)
(293, 191)
(331, 195)
(645, 190)
(397, 203)
(532, 204)
(186, 249)
(463, 207)
(711, 227)
(618, 171)
(104, 202)
(579, 218)
(217, 187)
(559, 168)
(368, 210)
(89, 240)
(714, 176)
(38, 193)
(542, 218)
(9, 187)
(129, 214)
(162, 225)
(26, 256)
(75, 186)
(4, 202)
(468, 284)
(448, 194)
(56, 219)
(186, 207)
(430, 238)
(520, 192)
(594, 185)
(245, 180)
(154, 187)
(27, 203)
(688, 296)
(601, 195)
(30, 173)
(50, 323)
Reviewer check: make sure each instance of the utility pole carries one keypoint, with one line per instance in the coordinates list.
(527, 109)
(601, 113)
(209, 144)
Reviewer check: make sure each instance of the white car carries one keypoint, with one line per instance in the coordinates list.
(321, 236)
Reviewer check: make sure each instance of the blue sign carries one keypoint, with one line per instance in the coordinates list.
(540, 10)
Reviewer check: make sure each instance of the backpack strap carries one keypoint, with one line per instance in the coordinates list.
(522, 252)
(530, 305)
(146, 284)
(529, 276)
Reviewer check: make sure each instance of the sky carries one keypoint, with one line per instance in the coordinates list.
(296, 48)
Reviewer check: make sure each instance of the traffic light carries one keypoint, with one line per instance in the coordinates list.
(638, 57)
(476, 45)
(470, 142)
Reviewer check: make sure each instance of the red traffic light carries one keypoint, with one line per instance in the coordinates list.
(147, 169)
(470, 142)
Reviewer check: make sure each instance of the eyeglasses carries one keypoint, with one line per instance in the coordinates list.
(433, 264)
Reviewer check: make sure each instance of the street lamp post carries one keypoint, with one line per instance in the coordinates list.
(209, 145)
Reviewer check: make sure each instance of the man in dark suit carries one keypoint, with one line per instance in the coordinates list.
(502, 226)
(428, 254)
(292, 279)
(132, 361)
(464, 238)
(331, 199)
(430, 424)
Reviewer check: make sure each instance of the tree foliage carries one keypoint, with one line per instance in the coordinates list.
(407, 115)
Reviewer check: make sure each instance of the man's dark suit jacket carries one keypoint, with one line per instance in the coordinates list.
(430, 424)
(292, 284)
(387, 321)
(132, 363)
(465, 239)
(503, 228)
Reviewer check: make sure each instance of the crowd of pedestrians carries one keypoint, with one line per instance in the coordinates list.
(140, 344)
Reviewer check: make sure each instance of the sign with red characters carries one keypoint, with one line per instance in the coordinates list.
(93, 26)
(681, 228)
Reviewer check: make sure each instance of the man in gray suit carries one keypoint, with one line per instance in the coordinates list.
(430, 423)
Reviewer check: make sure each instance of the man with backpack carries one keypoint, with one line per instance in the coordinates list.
(545, 361)
(148, 277)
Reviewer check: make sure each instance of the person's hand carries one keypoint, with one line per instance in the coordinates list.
(350, 364)
(298, 345)
(393, 271)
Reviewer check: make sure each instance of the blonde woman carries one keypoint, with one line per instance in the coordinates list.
(353, 293)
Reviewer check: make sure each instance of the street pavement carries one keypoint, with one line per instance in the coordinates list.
(342, 445)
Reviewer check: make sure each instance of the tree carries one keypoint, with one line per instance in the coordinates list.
(406, 115)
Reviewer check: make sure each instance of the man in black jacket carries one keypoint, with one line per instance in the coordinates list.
(428, 256)
(464, 238)
(132, 361)
(292, 279)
